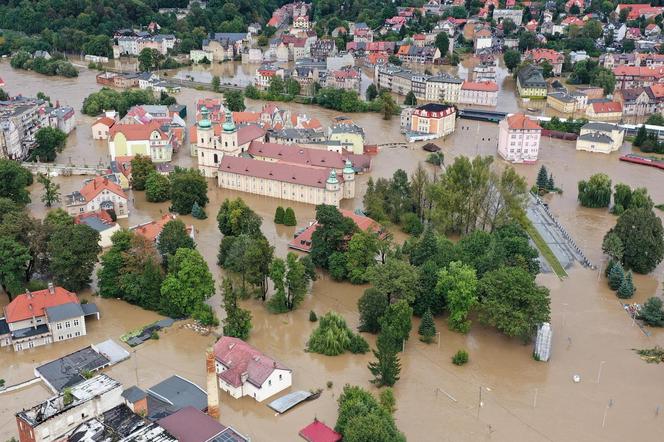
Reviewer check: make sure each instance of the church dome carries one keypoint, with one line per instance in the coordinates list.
(205, 122)
(229, 125)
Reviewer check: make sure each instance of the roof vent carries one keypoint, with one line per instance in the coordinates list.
(51, 288)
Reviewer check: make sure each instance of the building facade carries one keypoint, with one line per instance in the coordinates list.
(519, 139)
(98, 193)
(483, 93)
(600, 137)
(530, 83)
(433, 118)
(140, 139)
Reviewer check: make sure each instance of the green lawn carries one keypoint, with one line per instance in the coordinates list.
(544, 248)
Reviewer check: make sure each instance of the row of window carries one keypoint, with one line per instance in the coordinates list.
(67, 324)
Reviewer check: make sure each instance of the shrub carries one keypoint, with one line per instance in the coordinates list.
(358, 344)
(460, 358)
(312, 316)
(154, 336)
(205, 316)
(35, 285)
(333, 337)
(411, 224)
(329, 384)
(289, 217)
(652, 312)
(427, 329)
(279, 215)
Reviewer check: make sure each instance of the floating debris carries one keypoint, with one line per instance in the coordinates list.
(653, 355)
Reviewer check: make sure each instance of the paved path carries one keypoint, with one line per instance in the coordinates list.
(561, 243)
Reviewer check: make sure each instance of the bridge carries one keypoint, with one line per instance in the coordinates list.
(55, 169)
(482, 115)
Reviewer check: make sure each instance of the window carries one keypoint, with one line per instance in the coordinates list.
(280, 376)
(269, 382)
(59, 326)
(67, 324)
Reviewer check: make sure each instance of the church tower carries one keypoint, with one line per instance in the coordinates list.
(228, 139)
(349, 180)
(332, 189)
(208, 158)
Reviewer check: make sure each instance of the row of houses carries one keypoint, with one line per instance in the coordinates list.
(141, 80)
(130, 42)
(307, 73)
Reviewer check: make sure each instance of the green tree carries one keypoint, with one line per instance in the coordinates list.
(641, 136)
(395, 279)
(642, 235)
(527, 40)
(616, 276)
(656, 119)
(141, 275)
(112, 262)
(276, 86)
(289, 217)
(388, 107)
(361, 254)
(372, 92)
(331, 235)
(174, 236)
(292, 87)
(149, 59)
(372, 306)
(50, 142)
(259, 257)
(141, 168)
(542, 178)
(332, 337)
(551, 184)
(386, 368)
(613, 247)
(197, 211)
(188, 186)
(596, 192)
(51, 190)
(216, 83)
(396, 323)
(457, 284)
(188, 284)
(387, 400)
(14, 258)
(410, 99)
(73, 251)
(511, 301)
(652, 312)
(291, 281)
(157, 188)
(605, 79)
(626, 289)
(427, 330)
(235, 101)
(235, 218)
(14, 179)
(362, 418)
(238, 320)
(593, 29)
(442, 42)
(279, 215)
(512, 59)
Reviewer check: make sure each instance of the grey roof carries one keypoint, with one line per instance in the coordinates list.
(30, 331)
(285, 403)
(89, 309)
(229, 435)
(178, 393)
(64, 311)
(96, 223)
(562, 96)
(606, 127)
(445, 78)
(111, 350)
(531, 76)
(596, 137)
(133, 394)
(66, 371)
(4, 328)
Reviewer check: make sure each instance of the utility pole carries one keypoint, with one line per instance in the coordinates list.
(136, 366)
(479, 403)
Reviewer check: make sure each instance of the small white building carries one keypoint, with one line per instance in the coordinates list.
(242, 370)
(199, 55)
(600, 137)
(519, 139)
(98, 193)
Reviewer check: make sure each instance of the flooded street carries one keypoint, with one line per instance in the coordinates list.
(524, 400)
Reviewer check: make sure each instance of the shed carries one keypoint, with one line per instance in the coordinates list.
(431, 147)
(319, 432)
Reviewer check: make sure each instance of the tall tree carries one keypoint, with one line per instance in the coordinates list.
(238, 320)
(333, 231)
(652, 312)
(50, 142)
(386, 368)
(361, 254)
(14, 258)
(542, 178)
(291, 280)
(427, 329)
(642, 236)
(596, 192)
(141, 168)
(51, 190)
(511, 301)
(235, 101)
(626, 289)
(457, 284)
(442, 43)
(112, 262)
(188, 186)
(236, 218)
(141, 275)
(174, 236)
(289, 217)
(410, 99)
(73, 251)
(362, 418)
(259, 258)
(396, 279)
(157, 188)
(14, 179)
(396, 323)
(613, 247)
(188, 284)
(372, 306)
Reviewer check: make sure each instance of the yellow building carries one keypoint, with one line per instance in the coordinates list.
(606, 111)
(561, 102)
(349, 134)
(530, 82)
(140, 139)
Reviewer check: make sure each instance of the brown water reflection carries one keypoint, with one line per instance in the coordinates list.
(589, 326)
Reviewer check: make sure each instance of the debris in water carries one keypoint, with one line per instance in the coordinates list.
(653, 355)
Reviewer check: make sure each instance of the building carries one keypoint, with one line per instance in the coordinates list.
(640, 101)
(120, 424)
(516, 15)
(319, 432)
(190, 424)
(348, 134)
(62, 117)
(433, 118)
(165, 398)
(600, 137)
(530, 82)
(225, 45)
(443, 87)
(483, 93)
(519, 139)
(20, 119)
(152, 229)
(311, 185)
(562, 102)
(101, 128)
(347, 78)
(102, 222)
(629, 77)
(483, 40)
(243, 370)
(540, 56)
(42, 317)
(201, 56)
(54, 418)
(151, 139)
(302, 240)
(99, 193)
(637, 11)
(605, 111)
(134, 44)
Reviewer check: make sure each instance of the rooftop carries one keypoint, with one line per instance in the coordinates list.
(67, 370)
(302, 240)
(192, 425)
(29, 304)
(521, 121)
(239, 358)
(319, 432)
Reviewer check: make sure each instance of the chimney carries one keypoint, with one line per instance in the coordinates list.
(212, 385)
(28, 294)
(51, 288)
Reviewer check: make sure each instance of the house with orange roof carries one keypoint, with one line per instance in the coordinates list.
(42, 317)
(99, 193)
(152, 229)
(519, 139)
(541, 55)
(628, 77)
(481, 93)
(149, 139)
(101, 128)
(605, 111)
(637, 11)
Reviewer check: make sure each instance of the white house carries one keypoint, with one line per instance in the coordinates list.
(242, 370)
(98, 194)
(519, 139)
(600, 137)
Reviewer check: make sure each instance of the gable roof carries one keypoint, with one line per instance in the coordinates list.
(302, 240)
(319, 432)
(138, 132)
(64, 311)
(178, 393)
(152, 229)
(97, 185)
(521, 121)
(190, 424)
(106, 121)
(287, 173)
(607, 107)
(241, 358)
(248, 133)
(294, 154)
(484, 86)
(29, 304)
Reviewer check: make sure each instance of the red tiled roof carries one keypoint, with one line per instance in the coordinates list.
(657, 90)
(25, 306)
(137, 132)
(96, 185)
(102, 215)
(486, 86)
(319, 432)
(248, 133)
(152, 229)
(239, 357)
(638, 71)
(108, 122)
(521, 122)
(286, 173)
(609, 107)
(571, 20)
(303, 240)
(545, 54)
(294, 154)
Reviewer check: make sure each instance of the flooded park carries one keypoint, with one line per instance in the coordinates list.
(502, 394)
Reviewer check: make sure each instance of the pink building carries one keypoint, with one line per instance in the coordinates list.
(519, 139)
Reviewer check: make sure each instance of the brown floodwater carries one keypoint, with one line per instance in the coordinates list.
(523, 400)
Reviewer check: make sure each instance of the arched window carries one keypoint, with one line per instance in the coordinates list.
(216, 158)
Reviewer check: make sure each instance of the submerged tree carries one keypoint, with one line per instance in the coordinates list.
(427, 330)
(51, 190)
(652, 312)
(386, 368)
(333, 337)
(238, 320)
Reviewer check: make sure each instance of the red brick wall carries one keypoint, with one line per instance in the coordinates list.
(25, 432)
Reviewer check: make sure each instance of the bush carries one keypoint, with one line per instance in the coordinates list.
(333, 337)
(460, 358)
(329, 384)
(279, 215)
(154, 336)
(289, 217)
(358, 345)
(205, 316)
(411, 224)
(652, 312)
(312, 316)
(35, 285)
(157, 188)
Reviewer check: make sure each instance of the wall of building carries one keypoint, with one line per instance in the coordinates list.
(68, 329)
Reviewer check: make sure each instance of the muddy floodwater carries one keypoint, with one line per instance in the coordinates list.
(522, 400)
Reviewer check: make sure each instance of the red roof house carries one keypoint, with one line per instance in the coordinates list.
(319, 432)
(34, 304)
(302, 240)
